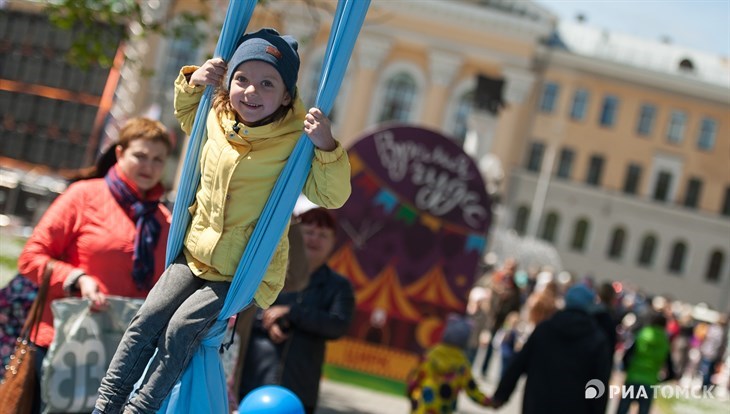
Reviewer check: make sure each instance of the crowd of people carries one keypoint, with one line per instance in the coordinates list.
(106, 236)
(562, 332)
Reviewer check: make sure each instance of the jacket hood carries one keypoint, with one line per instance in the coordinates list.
(573, 323)
(447, 358)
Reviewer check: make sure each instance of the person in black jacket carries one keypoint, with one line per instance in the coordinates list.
(605, 314)
(561, 356)
(288, 340)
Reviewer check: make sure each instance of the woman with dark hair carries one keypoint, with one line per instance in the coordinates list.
(105, 235)
(288, 340)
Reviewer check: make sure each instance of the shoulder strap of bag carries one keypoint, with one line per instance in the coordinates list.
(36, 309)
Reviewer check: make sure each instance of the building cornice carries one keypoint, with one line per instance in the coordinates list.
(443, 66)
(476, 17)
(481, 20)
(372, 50)
(642, 76)
(469, 52)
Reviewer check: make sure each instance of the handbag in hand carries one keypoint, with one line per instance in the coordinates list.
(82, 349)
(17, 388)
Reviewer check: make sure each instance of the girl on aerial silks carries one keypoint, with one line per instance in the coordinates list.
(252, 129)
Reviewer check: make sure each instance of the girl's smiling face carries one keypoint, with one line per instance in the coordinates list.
(257, 91)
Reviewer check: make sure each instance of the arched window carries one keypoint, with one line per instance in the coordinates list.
(580, 233)
(714, 266)
(521, 217)
(676, 260)
(400, 90)
(686, 65)
(550, 227)
(616, 247)
(648, 247)
(464, 106)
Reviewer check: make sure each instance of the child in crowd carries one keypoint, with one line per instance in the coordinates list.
(434, 385)
(509, 345)
(644, 362)
(252, 129)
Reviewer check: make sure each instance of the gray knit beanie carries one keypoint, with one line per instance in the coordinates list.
(267, 45)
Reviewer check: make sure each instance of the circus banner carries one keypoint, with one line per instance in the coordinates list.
(411, 238)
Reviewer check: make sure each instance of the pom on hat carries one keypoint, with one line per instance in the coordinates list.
(267, 45)
(580, 297)
(456, 332)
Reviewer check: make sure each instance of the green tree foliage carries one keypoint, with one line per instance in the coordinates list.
(99, 26)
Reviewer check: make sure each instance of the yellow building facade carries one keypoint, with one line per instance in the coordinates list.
(626, 173)
(615, 151)
(634, 197)
(626, 167)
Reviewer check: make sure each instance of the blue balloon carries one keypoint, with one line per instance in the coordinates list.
(271, 399)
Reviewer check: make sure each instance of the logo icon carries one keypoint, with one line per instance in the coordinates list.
(273, 52)
(594, 389)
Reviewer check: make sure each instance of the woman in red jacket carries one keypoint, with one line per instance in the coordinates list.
(104, 236)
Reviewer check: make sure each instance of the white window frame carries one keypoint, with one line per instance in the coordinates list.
(707, 144)
(611, 102)
(464, 87)
(667, 163)
(583, 102)
(549, 109)
(391, 70)
(675, 130)
(649, 120)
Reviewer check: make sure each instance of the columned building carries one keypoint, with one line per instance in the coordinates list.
(614, 150)
(464, 68)
(611, 149)
(625, 166)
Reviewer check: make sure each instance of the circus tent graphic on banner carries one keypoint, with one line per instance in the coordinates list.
(386, 293)
(410, 239)
(344, 261)
(433, 289)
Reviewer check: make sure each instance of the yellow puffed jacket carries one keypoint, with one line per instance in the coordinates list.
(238, 172)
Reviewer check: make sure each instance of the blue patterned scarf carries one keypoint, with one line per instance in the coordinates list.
(148, 228)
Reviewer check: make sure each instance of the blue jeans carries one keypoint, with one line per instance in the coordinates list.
(174, 318)
(707, 369)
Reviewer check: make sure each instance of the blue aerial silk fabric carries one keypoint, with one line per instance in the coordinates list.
(234, 25)
(202, 387)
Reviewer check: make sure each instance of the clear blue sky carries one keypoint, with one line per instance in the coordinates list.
(698, 24)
